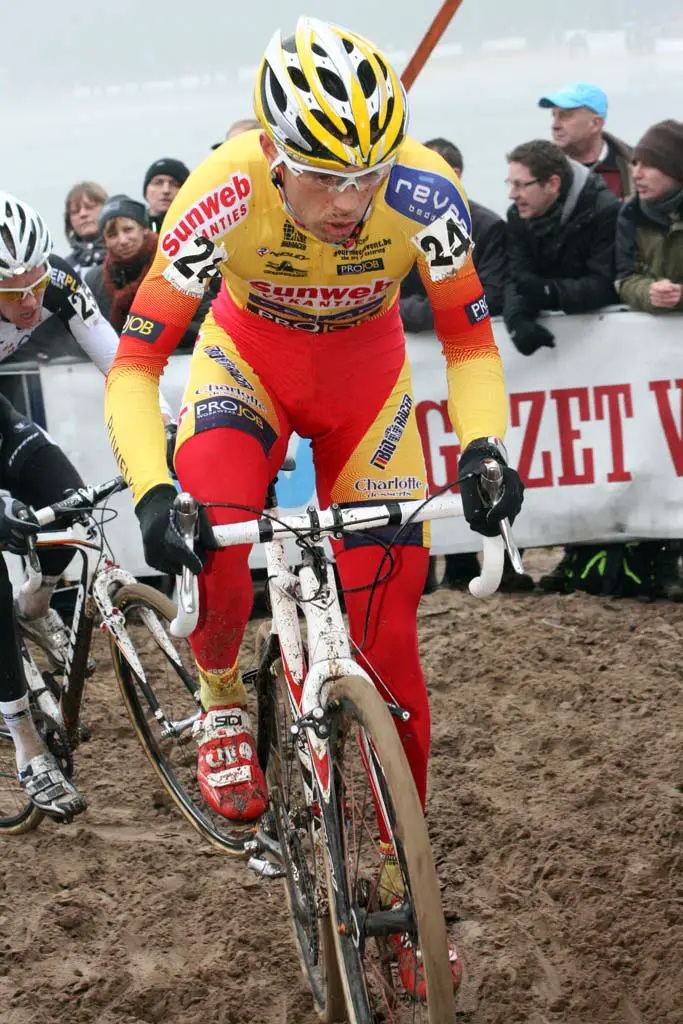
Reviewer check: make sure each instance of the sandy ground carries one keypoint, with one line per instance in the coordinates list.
(556, 811)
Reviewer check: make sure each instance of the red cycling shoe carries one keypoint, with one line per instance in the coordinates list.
(229, 775)
(411, 969)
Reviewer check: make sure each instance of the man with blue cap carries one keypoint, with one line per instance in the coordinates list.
(579, 113)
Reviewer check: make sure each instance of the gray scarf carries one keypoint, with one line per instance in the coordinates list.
(665, 210)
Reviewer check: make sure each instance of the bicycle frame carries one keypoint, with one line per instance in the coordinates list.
(94, 594)
(329, 648)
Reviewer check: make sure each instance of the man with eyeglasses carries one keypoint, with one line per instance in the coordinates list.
(35, 286)
(561, 238)
(312, 223)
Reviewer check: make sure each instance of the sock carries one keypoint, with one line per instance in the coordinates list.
(390, 884)
(22, 729)
(35, 606)
(221, 687)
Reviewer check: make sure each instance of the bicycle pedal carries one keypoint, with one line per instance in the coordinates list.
(265, 868)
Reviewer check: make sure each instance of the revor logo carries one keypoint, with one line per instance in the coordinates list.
(213, 214)
(425, 195)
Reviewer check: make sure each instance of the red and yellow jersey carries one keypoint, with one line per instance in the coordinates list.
(229, 218)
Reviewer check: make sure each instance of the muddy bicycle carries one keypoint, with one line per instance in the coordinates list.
(128, 611)
(345, 827)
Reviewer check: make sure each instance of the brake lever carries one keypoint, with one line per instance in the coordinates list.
(186, 514)
(491, 489)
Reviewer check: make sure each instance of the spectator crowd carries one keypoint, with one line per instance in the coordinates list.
(591, 222)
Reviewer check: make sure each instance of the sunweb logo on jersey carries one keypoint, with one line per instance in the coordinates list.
(213, 214)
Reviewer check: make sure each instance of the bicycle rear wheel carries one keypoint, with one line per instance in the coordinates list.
(384, 899)
(164, 706)
(17, 813)
(301, 841)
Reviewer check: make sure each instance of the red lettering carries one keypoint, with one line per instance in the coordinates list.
(181, 231)
(242, 186)
(613, 392)
(569, 434)
(359, 293)
(673, 433)
(333, 293)
(449, 452)
(227, 196)
(210, 206)
(170, 245)
(536, 400)
(194, 218)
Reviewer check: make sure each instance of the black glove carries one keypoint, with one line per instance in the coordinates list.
(17, 524)
(528, 336)
(539, 291)
(162, 542)
(478, 512)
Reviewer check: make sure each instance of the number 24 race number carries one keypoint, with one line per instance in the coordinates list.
(446, 245)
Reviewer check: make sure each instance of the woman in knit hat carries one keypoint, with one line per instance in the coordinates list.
(124, 227)
(649, 251)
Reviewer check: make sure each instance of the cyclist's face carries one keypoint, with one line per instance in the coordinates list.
(23, 311)
(328, 214)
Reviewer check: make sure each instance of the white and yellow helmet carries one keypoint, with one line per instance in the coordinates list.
(330, 98)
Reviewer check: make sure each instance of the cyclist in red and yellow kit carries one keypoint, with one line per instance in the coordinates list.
(312, 224)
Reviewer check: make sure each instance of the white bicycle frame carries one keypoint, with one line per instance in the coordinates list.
(101, 583)
(329, 647)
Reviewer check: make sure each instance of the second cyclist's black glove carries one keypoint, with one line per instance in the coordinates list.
(482, 517)
(17, 524)
(162, 542)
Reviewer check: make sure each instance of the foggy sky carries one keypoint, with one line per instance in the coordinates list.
(96, 91)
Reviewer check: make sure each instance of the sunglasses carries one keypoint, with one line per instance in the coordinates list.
(36, 290)
(336, 181)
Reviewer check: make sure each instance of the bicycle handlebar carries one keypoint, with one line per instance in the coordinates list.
(315, 524)
(72, 507)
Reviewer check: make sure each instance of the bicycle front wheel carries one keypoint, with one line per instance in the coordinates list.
(301, 840)
(164, 706)
(383, 887)
(17, 813)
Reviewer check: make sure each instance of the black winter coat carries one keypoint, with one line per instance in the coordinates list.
(571, 247)
(489, 256)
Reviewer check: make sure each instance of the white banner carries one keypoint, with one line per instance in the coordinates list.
(596, 429)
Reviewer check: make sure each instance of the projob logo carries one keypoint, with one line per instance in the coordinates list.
(424, 196)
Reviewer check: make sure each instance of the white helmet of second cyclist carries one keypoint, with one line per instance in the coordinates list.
(25, 242)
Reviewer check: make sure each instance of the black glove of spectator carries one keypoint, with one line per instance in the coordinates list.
(162, 542)
(17, 524)
(528, 336)
(416, 314)
(539, 291)
(479, 514)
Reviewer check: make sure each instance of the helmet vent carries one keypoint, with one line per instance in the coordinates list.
(277, 92)
(298, 78)
(333, 84)
(366, 77)
(6, 236)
